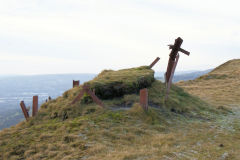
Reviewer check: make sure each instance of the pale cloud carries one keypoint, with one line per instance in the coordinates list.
(98, 34)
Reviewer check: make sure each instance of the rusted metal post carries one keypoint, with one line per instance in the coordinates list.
(144, 98)
(35, 106)
(154, 62)
(24, 110)
(172, 63)
(76, 83)
(171, 77)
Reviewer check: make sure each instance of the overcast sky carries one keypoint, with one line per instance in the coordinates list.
(87, 36)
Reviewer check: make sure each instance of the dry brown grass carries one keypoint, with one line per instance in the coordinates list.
(220, 87)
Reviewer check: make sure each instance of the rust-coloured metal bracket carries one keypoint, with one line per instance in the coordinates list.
(154, 62)
(144, 98)
(86, 89)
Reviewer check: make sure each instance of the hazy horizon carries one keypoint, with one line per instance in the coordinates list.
(13, 75)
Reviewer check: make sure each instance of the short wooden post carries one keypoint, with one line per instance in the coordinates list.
(76, 83)
(24, 110)
(144, 98)
(35, 106)
(154, 62)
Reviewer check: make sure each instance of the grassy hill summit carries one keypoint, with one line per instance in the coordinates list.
(122, 130)
(220, 87)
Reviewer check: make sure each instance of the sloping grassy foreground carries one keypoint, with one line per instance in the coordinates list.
(220, 87)
(122, 130)
(114, 135)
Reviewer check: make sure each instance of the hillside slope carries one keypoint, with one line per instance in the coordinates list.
(121, 130)
(220, 87)
(185, 76)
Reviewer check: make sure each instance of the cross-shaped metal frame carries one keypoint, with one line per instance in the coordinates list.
(172, 63)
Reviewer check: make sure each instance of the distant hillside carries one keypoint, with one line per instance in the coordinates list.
(184, 76)
(220, 87)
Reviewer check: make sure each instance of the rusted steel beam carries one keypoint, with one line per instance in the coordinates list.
(144, 98)
(154, 62)
(76, 83)
(80, 95)
(180, 49)
(86, 89)
(24, 110)
(168, 84)
(35, 106)
(95, 98)
(169, 69)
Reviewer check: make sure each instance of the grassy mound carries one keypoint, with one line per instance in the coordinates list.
(118, 131)
(109, 84)
(220, 87)
(179, 102)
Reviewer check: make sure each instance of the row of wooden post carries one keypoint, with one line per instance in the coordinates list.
(25, 110)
